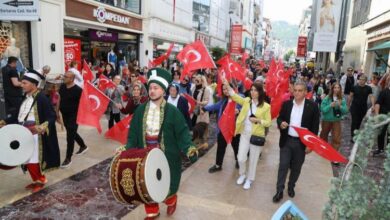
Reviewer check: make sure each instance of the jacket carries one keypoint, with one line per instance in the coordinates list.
(327, 110)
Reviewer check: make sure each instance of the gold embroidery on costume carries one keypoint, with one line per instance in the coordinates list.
(127, 182)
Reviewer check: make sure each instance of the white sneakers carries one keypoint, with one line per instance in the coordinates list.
(247, 184)
(241, 179)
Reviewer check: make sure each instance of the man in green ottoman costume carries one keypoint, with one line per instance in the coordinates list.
(157, 123)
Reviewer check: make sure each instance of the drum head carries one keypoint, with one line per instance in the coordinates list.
(16, 145)
(157, 175)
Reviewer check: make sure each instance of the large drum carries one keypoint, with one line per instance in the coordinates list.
(140, 176)
(16, 146)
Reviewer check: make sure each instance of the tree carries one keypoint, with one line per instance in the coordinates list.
(217, 53)
(287, 56)
(355, 195)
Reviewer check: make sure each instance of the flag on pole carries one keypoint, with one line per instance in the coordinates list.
(120, 130)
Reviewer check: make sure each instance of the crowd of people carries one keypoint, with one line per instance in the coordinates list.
(332, 98)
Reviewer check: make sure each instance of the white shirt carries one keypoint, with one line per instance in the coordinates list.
(296, 118)
(173, 101)
(247, 122)
(25, 109)
(78, 78)
(153, 120)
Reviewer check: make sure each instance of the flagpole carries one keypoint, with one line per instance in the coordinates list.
(102, 93)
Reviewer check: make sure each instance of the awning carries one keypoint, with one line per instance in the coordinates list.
(382, 46)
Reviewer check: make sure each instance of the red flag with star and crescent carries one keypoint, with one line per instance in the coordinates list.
(105, 83)
(195, 56)
(321, 147)
(227, 122)
(231, 68)
(191, 103)
(87, 73)
(159, 60)
(120, 130)
(93, 104)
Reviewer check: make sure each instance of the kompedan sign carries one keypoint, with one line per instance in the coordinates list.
(18, 10)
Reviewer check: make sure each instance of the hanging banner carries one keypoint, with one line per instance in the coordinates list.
(302, 46)
(327, 28)
(236, 38)
(72, 50)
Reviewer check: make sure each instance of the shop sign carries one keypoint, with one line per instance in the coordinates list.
(302, 46)
(102, 16)
(103, 36)
(16, 10)
(236, 38)
(72, 50)
(379, 32)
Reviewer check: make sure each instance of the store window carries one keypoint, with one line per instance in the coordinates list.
(14, 41)
(201, 15)
(129, 5)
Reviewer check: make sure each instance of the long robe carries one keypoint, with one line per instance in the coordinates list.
(49, 152)
(174, 140)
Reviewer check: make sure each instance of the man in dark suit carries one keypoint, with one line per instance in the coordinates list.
(299, 112)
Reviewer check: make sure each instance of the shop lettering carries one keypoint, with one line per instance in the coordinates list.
(102, 15)
(101, 34)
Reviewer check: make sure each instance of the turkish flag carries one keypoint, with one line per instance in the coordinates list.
(191, 103)
(105, 83)
(309, 95)
(227, 122)
(159, 60)
(247, 83)
(244, 57)
(231, 68)
(321, 147)
(195, 56)
(87, 73)
(142, 79)
(276, 105)
(120, 130)
(93, 104)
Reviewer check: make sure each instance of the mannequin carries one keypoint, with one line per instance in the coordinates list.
(111, 57)
(14, 51)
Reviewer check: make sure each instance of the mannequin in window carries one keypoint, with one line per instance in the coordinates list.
(13, 51)
(111, 57)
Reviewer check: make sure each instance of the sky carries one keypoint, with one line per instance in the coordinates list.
(285, 10)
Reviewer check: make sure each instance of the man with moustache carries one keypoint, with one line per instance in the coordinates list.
(157, 123)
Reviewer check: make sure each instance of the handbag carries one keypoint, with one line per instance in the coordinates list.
(256, 140)
(197, 107)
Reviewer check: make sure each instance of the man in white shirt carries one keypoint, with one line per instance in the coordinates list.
(299, 112)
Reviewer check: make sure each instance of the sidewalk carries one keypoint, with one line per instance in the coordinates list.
(216, 196)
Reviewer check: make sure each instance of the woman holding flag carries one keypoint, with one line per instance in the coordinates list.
(222, 141)
(254, 117)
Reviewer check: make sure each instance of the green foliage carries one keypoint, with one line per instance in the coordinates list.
(360, 197)
(217, 53)
(287, 56)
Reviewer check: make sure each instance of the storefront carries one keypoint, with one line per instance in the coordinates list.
(101, 33)
(378, 49)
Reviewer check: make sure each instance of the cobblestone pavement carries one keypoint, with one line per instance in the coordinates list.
(374, 167)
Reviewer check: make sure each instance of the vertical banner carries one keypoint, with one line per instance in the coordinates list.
(72, 50)
(235, 39)
(302, 46)
(327, 25)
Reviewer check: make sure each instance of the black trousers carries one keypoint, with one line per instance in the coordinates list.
(12, 105)
(292, 156)
(381, 138)
(221, 148)
(357, 118)
(113, 117)
(71, 134)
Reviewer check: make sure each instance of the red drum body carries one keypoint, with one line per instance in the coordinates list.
(140, 176)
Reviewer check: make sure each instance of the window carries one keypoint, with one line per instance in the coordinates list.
(361, 9)
(201, 15)
(129, 5)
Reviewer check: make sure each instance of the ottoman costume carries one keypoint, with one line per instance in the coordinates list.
(165, 127)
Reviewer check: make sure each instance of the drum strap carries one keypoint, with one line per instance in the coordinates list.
(25, 118)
